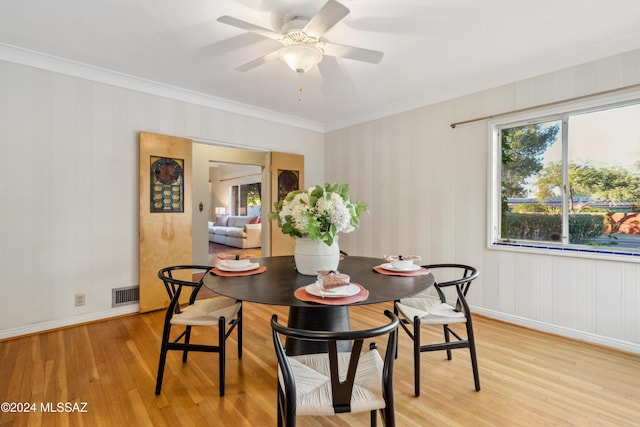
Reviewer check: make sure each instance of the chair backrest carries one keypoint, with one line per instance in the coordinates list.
(174, 285)
(465, 273)
(341, 390)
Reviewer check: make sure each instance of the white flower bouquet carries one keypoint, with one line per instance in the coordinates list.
(319, 212)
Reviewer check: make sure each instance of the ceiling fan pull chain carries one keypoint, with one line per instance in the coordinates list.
(300, 74)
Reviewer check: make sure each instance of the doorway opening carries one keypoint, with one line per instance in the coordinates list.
(236, 208)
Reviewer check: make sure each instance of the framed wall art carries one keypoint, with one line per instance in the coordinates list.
(167, 184)
(287, 181)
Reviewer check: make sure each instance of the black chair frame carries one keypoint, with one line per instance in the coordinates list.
(174, 287)
(462, 287)
(341, 391)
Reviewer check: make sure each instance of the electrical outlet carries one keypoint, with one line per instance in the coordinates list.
(79, 300)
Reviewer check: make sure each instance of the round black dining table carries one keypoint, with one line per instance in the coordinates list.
(276, 286)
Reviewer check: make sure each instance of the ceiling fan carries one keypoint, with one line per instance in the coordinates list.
(302, 42)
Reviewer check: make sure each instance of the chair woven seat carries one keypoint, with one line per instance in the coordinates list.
(313, 382)
(206, 312)
(430, 310)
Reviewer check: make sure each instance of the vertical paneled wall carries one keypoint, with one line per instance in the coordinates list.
(69, 187)
(427, 188)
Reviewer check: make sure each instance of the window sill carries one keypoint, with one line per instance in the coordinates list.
(576, 251)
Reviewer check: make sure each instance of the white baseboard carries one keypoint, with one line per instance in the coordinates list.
(560, 330)
(61, 323)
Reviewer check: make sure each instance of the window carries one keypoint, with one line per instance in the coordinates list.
(569, 181)
(245, 199)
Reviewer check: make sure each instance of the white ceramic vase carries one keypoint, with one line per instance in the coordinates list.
(311, 256)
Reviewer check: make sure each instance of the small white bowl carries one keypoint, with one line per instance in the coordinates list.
(233, 261)
(400, 262)
(237, 263)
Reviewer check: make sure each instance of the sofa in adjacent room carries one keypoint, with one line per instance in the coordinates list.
(237, 231)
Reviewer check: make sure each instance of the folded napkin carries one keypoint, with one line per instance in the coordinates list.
(421, 272)
(223, 273)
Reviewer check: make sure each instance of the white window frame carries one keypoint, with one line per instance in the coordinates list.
(494, 182)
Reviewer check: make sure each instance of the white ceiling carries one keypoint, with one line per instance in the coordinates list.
(433, 49)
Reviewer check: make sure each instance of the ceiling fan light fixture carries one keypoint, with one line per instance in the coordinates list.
(301, 58)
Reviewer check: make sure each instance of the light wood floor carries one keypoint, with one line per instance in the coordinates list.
(528, 379)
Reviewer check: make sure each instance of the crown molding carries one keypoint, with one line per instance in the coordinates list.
(56, 64)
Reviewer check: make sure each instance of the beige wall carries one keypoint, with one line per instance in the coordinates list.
(69, 173)
(426, 185)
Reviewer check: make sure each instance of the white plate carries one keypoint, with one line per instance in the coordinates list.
(252, 266)
(341, 292)
(388, 266)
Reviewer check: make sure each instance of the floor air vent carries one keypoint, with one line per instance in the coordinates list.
(127, 295)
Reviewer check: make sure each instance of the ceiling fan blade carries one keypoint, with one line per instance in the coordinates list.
(330, 14)
(351, 52)
(230, 20)
(259, 61)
